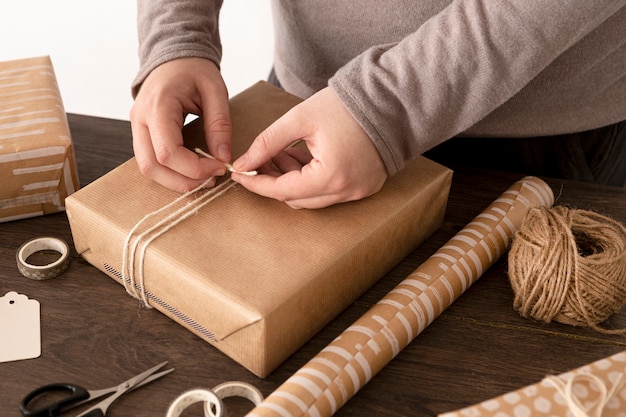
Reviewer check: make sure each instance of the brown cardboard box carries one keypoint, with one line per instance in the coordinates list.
(248, 274)
(37, 162)
(595, 389)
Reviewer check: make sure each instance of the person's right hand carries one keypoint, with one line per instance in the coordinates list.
(169, 93)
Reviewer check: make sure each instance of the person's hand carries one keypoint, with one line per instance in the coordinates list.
(169, 93)
(343, 163)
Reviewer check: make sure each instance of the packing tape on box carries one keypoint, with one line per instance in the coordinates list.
(43, 272)
(212, 399)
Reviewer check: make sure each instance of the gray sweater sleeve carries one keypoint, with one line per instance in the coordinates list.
(457, 68)
(170, 29)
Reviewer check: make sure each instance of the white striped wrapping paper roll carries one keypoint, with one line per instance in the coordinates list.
(335, 374)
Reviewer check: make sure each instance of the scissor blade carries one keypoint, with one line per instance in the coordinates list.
(99, 410)
(151, 378)
(134, 381)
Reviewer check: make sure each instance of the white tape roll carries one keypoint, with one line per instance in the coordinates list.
(234, 389)
(186, 399)
(42, 272)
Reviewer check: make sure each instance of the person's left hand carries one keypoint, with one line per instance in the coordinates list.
(343, 163)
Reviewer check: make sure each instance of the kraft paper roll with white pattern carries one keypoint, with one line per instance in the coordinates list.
(335, 374)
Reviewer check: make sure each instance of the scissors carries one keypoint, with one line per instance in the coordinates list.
(79, 395)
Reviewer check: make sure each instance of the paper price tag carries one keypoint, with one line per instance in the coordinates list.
(20, 333)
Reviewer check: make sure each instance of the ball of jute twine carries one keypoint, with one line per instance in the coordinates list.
(569, 265)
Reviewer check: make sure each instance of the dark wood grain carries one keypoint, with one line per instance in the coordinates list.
(94, 334)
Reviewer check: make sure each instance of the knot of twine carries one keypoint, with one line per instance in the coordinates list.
(569, 266)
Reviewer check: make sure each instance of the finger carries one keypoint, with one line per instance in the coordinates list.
(167, 142)
(311, 187)
(299, 154)
(148, 165)
(270, 169)
(265, 185)
(285, 162)
(283, 187)
(316, 202)
(217, 123)
(307, 183)
(278, 136)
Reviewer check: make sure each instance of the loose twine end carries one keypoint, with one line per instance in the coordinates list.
(586, 409)
(228, 166)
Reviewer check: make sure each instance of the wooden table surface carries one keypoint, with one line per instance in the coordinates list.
(94, 334)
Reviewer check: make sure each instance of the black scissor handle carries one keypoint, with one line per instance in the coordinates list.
(77, 395)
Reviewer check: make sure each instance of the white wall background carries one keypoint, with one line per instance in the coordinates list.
(93, 47)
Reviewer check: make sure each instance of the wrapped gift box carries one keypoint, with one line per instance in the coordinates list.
(595, 389)
(248, 274)
(37, 162)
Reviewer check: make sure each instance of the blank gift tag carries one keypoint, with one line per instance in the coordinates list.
(20, 334)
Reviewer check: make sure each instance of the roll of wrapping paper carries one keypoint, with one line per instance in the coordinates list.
(335, 374)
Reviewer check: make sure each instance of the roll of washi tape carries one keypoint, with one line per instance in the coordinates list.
(186, 399)
(234, 389)
(42, 272)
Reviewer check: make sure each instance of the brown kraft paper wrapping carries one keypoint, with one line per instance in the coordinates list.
(37, 162)
(248, 274)
(335, 374)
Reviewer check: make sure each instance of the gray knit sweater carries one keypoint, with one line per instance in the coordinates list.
(415, 73)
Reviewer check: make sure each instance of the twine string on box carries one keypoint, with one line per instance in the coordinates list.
(179, 209)
(569, 265)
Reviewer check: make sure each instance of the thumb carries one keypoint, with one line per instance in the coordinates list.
(218, 131)
(273, 140)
